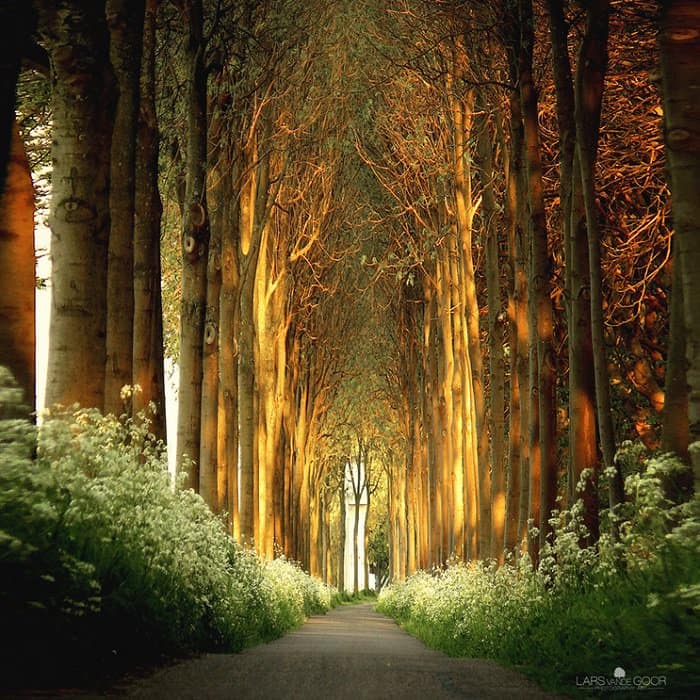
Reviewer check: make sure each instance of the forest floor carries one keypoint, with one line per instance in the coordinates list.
(352, 652)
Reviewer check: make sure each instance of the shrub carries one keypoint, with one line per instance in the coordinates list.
(585, 611)
(102, 559)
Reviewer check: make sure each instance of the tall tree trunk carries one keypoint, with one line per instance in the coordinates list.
(17, 274)
(209, 441)
(75, 36)
(251, 228)
(148, 371)
(674, 431)
(517, 326)
(583, 452)
(16, 18)
(343, 536)
(125, 19)
(590, 76)
(543, 466)
(195, 245)
(228, 361)
(495, 336)
(679, 39)
(246, 400)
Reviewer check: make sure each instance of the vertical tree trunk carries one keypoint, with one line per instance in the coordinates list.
(246, 401)
(674, 431)
(148, 371)
(517, 326)
(679, 38)
(590, 76)
(475, 445)
(343, 535)
(195, 244)
(209, 440)
(495, 336)
(16, 18)
(75, 36)
(251, 227)
(543, 474)
(583, 452)
(228, 361)
(125, 19)
(17, 274)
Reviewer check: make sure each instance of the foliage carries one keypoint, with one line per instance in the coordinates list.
(347, 598)
(378, 551)
(102, 560)
(584, 612)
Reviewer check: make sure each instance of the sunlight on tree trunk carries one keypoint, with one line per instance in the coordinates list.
(17, 276)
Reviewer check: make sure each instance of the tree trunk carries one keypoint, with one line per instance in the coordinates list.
(496, 339)
(343, 535)
(543, 467)
(590, 76)
(16, 18)
(209, 441)
(125, 19)
(674, 431)
(17, 274)
(228, 362)
(82, 96)
(583, 452)
(195, 245)
(679, 38)
(517, 327)
(148, 370)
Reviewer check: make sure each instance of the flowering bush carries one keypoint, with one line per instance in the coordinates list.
(584, 611)
(100, 557)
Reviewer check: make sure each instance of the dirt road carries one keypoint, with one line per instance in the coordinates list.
(352, 652)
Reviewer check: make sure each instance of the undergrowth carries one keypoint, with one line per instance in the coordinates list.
(617, 616)
(103, 562)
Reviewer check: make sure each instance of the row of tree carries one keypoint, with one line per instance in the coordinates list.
(487, 143)
(414, 229)
(226, 113)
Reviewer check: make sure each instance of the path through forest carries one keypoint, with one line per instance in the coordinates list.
(352, 652)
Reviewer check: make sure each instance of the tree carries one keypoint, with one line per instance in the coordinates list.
(17, 276)
(74, 34)
(543, 473)
(679, 36)
(195, 246)
(147, 351)
(125, 20)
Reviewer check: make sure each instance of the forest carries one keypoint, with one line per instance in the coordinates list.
(454, 242)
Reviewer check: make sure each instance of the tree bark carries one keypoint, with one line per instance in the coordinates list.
(125, 20)
(590, 76)
(17, 274)
(195, 246)
(148, 371)
(543, 469)
(674, 430)
(495, 336)
(74, 33)
(679, 37)
(209, 440)
(16, 18)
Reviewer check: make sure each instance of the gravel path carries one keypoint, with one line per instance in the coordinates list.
(352, 652)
